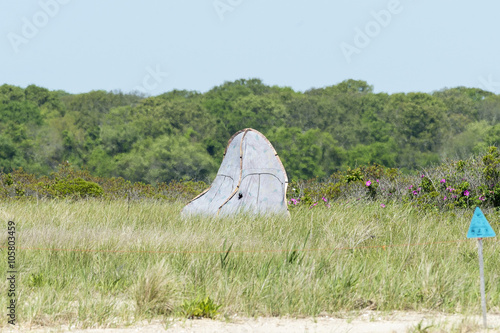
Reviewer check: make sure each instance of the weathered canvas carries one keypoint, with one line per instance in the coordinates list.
(251, 179)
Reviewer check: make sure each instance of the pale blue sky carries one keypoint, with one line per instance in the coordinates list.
(84, 45)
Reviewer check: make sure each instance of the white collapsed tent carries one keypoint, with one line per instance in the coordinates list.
(251, 179)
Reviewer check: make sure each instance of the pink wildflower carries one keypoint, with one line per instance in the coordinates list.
(382, 205)
(368, 183)
(442, 181)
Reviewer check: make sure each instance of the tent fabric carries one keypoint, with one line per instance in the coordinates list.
(251, 179)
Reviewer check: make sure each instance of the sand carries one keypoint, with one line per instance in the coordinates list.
(365, 322)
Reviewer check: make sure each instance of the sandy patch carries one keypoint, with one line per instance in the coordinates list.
(368, 322)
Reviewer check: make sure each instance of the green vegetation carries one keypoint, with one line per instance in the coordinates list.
(204, 308)
(381, 194)
(181, 135)
(96, 251)
(96, 262)
(454, 184)
(69, 183)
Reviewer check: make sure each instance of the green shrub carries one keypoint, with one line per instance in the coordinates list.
(427, 185)
(36, 280)
(204, 308)
(8, 180)
(491, 161)
(353, 175)
(76, 188)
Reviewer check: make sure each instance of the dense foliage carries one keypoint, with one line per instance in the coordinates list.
(181, 135)
(455, 184)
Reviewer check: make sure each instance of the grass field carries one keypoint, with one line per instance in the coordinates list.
(101, 263)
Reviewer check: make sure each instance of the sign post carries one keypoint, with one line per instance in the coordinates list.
(480, 228)
(481, 274)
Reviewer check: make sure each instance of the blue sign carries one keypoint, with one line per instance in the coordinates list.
(479, 226)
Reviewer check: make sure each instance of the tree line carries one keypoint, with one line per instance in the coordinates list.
(182, 134)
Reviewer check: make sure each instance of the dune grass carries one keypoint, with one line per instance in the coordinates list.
(92, 263)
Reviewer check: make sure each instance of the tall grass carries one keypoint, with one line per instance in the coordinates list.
(105, 263)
